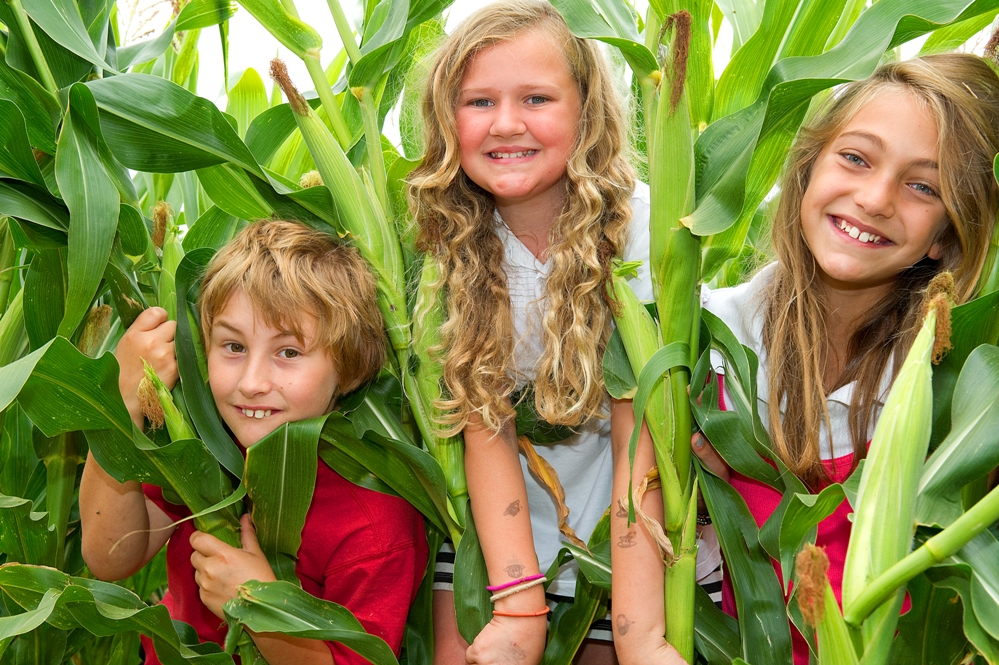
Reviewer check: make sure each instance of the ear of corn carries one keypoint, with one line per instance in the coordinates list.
(884, 524)
(360, 213)
(176, 424)
(820, 610)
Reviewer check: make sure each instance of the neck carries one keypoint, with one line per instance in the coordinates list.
(844, 312)
(531, 220)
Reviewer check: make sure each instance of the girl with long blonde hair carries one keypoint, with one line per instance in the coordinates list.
(891, 185)
(524, 196)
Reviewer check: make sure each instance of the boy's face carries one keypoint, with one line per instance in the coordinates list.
(262, 377)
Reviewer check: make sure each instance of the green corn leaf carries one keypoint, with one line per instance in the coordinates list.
(968, 449)
(571, 623)
(952, 577)
(41, 111)
(281, 607)
(19, 462)
(766, 637)
(471, 599)
(611, 22)
(411, 472)
(32, 204)
(93, 201)
(61, 20)
(744, 16)
(716, 634)
(271, 128)
(16, 158)
(204, 14)
(799, 520)
(213, 229)
(26, 536)
(298, 37)
(154, 125)
(119, 274)
(954, 36)
(102, 608)
(44, 290)
(200, 405)
(280, 479)
(230, 188)
(935, 612)
(247, 99)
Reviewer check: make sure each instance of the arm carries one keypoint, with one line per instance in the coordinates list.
(110, 510)
(498, 495)
(637, 569)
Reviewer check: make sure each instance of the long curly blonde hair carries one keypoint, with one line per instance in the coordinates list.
(961, 92)
(456, 228)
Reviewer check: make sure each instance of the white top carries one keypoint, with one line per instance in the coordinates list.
(583, 461)
(741, 308)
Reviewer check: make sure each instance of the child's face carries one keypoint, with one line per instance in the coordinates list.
(262, 377)
(872, 207)
(518, 115)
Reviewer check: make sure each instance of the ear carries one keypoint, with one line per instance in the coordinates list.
(935, 251)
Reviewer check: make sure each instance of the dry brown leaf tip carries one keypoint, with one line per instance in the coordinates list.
(811, 568)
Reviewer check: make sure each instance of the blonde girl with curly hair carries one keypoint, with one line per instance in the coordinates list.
(524, 196)
(889, 186)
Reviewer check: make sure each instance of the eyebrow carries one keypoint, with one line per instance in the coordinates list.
(232, 328)
(881, 145)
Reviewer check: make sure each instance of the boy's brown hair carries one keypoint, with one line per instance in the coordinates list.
(288, 270)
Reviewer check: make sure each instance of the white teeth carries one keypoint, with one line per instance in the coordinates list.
(256, 413)
(511, 155)
(854, 232)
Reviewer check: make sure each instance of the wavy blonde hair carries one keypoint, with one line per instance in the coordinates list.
(288, 271)
(961, 92)
(456, 228)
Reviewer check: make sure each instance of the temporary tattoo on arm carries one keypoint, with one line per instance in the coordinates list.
(623, 625)
(622, 510)
(516, 653)
(513, 508)
(627, 540)
(515, 571)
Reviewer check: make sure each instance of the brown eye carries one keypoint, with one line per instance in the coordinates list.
(233, 347)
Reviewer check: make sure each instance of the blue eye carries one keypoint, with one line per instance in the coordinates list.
(480, 103)
(923, 189)
(854, 159)
(537, 99)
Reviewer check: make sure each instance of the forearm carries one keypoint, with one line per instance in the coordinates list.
(498, 496)
(109, 511)
(637, 568)
(280, 649)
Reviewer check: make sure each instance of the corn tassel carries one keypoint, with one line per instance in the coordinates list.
(361, 215)
(820, 610)
(884, 518)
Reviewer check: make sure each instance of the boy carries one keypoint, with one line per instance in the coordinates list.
(290, 323)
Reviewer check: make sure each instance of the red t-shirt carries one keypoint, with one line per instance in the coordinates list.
(361, 549)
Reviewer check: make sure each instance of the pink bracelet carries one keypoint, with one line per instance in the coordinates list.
(500, 587)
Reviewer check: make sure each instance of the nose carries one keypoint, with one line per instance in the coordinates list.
(256, 377)
(508, 120)
(876, 195)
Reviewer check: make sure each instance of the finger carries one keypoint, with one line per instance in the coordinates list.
(248, 535)
(709, 456)
(206, 544)
(149, 319)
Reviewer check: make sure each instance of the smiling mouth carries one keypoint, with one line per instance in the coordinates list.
(855, 233)
(512, 155)
(256, 413)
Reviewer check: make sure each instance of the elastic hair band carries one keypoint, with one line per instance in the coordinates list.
(522, 614)
(500, 587)
(517, 589)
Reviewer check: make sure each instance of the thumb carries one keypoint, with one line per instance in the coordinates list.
(709, 456)
(248, 535)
